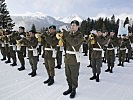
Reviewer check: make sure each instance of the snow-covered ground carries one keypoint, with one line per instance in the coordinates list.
(15, 85)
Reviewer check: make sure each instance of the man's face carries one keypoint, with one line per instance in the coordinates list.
(129, 34)
(21, 30)
(74, 27)
(99, 33)
(31, 34)
(52, 31)
(104, 34)
(112, 33)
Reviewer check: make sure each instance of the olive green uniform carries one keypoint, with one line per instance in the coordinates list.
(50, 43)
(72, 41)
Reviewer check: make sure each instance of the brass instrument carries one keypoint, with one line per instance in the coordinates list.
(38, 36)
(59, 37)
(92, 40)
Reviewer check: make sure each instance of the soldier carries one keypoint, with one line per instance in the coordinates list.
(50, 53)
(130, 36)
(85, 45)
(129, 47)
(12, 45)
(91, 42)
(59, 50)
(105, 36)
(96, 55)
(122, 50)
(110, 53)
(73, 41)
(2, 45)
(32, 43)
(20, 49)
(7, 48)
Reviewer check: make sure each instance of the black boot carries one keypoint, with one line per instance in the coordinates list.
(21, 68)
(4, 58)
(85, 54)
(93, 77)
(8, 61)
(111, 70)
(73, 93)
(97, 78)
(89, 65)
(119, 64)
(30, 73)
(67, 91)
(122, 64)
(13, 64)
(45, 82)
(51, 82)
(107, 70)
(34, 73)
(58, 66)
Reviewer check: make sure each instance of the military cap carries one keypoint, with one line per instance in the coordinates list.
(75, 22)
(52, 27)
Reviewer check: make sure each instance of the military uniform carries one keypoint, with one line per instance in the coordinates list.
(129, 53)
(122, 52)
(110, 53)
(20, 50)
(7, 48)
(96, 57)
(59, 57)
(2, 48)
(32, 43)
(131, 43)
(85, 45)
(12, 45)
(49, 56)
(73, 43)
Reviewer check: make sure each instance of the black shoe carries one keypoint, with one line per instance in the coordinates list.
(33, 74)
(89, 65)
(45, 82)
(58, 66)
(51, 82)
(67, 91)
(21, 68)
(8, 61)
(119, 64)
(14, 64)
(73, 93)
(93, 77)
(3, 59)
(107, 70)
(97, 78)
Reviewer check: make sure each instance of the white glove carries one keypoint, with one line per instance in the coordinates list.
(22, 36)
(65, 27)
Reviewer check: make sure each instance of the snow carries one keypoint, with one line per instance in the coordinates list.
(68, 19)
(15, 85)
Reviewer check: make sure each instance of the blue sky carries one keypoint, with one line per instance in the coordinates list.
(62, 8)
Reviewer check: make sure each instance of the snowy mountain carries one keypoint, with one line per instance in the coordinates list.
(40, 20)
(71, 18)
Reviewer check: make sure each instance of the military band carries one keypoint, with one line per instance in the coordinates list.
(99, 45)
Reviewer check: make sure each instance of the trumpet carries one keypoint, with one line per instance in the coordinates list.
(59, 37)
